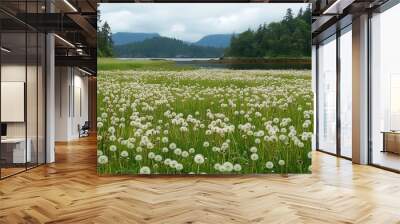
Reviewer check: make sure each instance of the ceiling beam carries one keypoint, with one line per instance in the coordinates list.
(89, 62)
(89, 30)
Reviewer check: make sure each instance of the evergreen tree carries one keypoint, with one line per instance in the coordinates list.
(300, 13)
(289, 15)
(104, 39)
(290, 37)
(107, 36)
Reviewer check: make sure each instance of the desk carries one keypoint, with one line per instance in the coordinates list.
(391, 141)
(16, 147)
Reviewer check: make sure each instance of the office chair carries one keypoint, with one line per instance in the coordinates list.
(84, 130)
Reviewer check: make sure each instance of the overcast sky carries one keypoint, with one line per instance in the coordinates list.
(190, 22)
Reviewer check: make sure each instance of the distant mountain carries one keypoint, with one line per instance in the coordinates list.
(126, 38)
(164, 47)
(215, 40)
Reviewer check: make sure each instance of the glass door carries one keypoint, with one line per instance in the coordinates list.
(385, 89)
(327, 95)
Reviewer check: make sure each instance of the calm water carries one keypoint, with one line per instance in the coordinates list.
(171, 59)
(204, 63)
(277, 66)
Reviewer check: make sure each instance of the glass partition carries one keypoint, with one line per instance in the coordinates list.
(22, 77)
(385, 89)
(41, 96)
(13, 94)
(327, 95)
(31, 98)
(346, 92)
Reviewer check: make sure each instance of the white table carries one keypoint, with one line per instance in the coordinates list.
(19, 154)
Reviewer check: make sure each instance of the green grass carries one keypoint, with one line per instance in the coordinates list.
(132, 106)
(113, 64)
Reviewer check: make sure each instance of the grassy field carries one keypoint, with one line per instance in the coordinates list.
(111, 64)
(203, 121)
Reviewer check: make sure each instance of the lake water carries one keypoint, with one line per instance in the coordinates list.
(205, 63)
(171, 59)
(252, 66)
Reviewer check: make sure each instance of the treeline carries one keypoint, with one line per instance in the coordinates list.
(104, 39)
(164, 47)
(291, 37)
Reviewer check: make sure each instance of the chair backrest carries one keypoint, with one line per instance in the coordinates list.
(86, 125)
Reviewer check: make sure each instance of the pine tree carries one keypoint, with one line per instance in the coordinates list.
(287, 38)
(104, 41)
(289, 15)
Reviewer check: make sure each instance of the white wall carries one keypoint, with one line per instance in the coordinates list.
(62, 82)
(79, 117)
(69, 82)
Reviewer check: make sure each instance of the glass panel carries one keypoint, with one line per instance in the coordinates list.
(13, 86)
(346, 93)
(314, 87)
(23, 87)
(385, 89)
(31, 98)
(327, 95)
(41, 99)
(32, 89)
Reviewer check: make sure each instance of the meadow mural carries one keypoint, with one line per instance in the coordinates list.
(162, 117)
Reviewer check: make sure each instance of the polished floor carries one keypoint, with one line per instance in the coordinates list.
(70, 191)
(387, 159)
(5, 172)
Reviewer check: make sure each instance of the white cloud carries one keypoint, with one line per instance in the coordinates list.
(190, 21)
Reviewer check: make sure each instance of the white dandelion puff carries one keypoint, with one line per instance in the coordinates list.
(124, 154)
(269, 165)
(199, 159)
(103, 159)
(145, 170)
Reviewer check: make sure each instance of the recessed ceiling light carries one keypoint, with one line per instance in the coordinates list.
(86, 72)
(65, 41)
(337, 7)
(5, 50)
(70, 5)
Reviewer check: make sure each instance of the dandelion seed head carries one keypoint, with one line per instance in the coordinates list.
(103, 159)
(124, 154)
(113, 148)
(254, 156)
(269, 165)
(199, 159)
(145, 170)
(138, 157)
(237, 167)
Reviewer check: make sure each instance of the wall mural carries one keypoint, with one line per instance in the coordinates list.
(178, 97)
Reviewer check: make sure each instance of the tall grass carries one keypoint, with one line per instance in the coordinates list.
(204, 122)
(112, 64)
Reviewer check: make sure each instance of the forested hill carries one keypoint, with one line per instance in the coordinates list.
(164, 47)
(290, 37)
(121, 38)
(215, 40)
